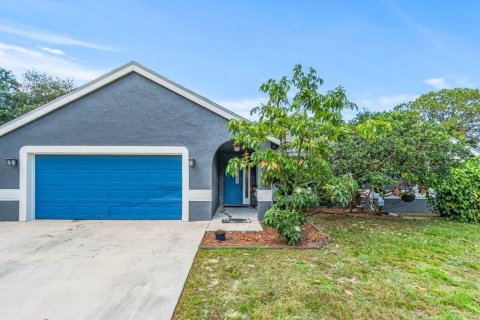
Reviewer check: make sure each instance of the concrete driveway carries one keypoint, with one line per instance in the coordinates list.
(94, 269)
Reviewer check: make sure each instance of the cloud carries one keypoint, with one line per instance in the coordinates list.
(371, 102)
(53, 51)
(392, 101)
(437, 83)
(49, 37)
(242, 106)
(444, 83)
(381, 103)
(20, 59)
(384, 102)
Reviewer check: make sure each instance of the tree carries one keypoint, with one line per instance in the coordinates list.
(41, 88)
(458, 110)
(392, 152)
(36, 89)
(9, 88)
(458, 196)
(305, 127)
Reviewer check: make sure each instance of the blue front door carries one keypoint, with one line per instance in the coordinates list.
(232, 187)
(108, 187)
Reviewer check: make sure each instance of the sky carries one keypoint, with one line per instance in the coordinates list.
(382, 52)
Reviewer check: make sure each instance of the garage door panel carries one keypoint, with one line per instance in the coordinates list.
(108, 187)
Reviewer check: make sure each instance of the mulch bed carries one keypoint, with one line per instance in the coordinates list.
(313, 238)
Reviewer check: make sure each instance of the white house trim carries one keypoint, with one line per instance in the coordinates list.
(200, 195)
(264, 195)
(106, 79)
(9, 194)
(246, 186)
(27, 169)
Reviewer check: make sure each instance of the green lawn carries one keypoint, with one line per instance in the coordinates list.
(374, 269)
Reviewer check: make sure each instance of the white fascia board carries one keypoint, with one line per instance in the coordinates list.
(109, 78)
(61, 101)
(185, 93)
(105, 80)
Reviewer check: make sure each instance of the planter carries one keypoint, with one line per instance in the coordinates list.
(408, 197)
(220, 235)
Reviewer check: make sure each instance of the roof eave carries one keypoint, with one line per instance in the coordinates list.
(108, 78)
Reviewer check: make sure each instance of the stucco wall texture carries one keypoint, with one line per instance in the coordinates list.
(132, 111)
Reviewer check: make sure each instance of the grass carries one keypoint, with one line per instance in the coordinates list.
(374, 269)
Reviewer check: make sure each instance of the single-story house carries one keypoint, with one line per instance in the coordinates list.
(128, 145)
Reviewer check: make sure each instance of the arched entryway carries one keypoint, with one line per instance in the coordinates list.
(230, 191)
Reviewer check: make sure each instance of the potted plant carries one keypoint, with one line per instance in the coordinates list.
(423, 190)
(220, 235)
(408, 196)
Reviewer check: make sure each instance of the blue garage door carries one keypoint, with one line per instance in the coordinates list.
(108, 187)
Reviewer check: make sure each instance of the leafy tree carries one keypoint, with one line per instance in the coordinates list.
(35, 90)
(458, 195)
(458, 110)
(392, 152)
(41, 88)
(305, 127)
(9, 88)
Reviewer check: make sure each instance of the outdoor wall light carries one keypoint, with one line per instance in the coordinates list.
(11, 161)
(191, 162)
(236, 147)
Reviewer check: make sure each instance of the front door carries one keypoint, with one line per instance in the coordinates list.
(232, 190)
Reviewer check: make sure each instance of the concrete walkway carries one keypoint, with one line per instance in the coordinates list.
(235, 212)
(94, 269)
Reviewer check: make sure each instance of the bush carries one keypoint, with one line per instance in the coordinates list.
(288, 223)
(458, 196)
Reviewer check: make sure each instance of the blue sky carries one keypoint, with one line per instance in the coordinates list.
(381, 52)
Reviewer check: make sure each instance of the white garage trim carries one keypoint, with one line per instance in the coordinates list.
(27, 169)
(9, 194)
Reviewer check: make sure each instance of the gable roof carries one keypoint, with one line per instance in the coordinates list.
(108, 78)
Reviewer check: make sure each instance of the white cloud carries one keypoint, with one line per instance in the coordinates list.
(374, 103)
(385, 102)
(53, 51)
(437, 83)
(49, 37)
(20, 59)
(242, 106)
(392, 101)
(444, 83)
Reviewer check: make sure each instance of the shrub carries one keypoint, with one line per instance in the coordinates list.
(458, 196)
(342, 189)
(288, 223)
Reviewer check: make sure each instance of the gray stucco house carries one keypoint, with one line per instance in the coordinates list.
(128, 145)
